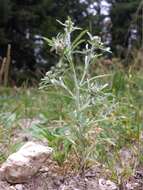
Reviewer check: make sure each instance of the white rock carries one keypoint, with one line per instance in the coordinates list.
(22, 165)
(107, 185)
(131, 186)
(19, 187)
(12, 188)
(16, 187)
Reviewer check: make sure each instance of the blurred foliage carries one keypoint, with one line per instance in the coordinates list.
(124, 15)
(39, 17)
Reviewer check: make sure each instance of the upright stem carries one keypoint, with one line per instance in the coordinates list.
(77, 90)
(70, 59)
(7, 64)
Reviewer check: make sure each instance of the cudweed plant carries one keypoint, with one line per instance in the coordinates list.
(77, 132)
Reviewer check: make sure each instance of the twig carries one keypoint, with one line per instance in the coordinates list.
(2, 69)
(8, 58)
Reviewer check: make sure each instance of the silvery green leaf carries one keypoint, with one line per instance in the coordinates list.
(63, 24)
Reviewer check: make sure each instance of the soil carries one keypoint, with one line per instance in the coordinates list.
(52, 177)
(48, 179)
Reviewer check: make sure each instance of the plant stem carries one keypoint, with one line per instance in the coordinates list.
(77, 89)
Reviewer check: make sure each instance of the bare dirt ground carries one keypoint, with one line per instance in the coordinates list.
(52, 177)
(49, 179)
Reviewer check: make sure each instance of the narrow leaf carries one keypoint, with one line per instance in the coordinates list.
(79, 37)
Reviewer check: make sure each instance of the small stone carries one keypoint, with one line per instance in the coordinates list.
(12, 188)
(129, 186)
(107, 185)
(44, 169)
(22, 165)
(19, 187)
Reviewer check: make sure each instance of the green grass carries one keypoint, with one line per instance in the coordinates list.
(21, 103)
(122, 130)
(29, 103)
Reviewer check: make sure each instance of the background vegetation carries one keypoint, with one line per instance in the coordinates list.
(22, 20)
